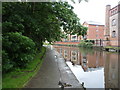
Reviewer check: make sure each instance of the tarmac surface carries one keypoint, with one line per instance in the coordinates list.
(53, 70)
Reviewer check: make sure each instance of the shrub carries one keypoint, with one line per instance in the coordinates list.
(89, 44)
(18, 49)
(82, 44)
(6, 63)
(86, 44)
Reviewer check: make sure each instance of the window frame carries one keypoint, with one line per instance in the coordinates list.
(113, 22)
(113, 34)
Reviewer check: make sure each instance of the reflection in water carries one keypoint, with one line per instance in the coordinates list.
(111, 69)
(97, 69)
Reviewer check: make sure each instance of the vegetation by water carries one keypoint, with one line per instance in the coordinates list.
(19, 77)
(111, 47)
(86, 43)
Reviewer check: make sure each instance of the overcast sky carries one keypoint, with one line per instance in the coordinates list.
(93, 10)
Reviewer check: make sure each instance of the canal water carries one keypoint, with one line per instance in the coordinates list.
(94, 68)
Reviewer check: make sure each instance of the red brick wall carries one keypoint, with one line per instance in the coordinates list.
(91, 34)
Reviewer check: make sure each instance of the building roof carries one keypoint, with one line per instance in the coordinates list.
(93, 23)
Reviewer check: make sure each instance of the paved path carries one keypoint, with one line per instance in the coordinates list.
(52, 71)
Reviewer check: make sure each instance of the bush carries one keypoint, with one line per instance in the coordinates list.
(82, 44)
(17, 49)
(6, 63)
(86, 44)
(89, 44)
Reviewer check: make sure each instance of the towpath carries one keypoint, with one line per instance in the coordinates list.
(53, 70)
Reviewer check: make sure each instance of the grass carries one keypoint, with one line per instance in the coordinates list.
(18, 78)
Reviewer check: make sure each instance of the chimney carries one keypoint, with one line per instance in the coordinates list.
(107, 22)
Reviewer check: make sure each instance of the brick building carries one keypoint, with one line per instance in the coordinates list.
(112, 25)
(95, 30)
(71, 39)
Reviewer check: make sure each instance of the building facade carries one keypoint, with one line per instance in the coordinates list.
(95, 30)
(112, 25)
(72, 38)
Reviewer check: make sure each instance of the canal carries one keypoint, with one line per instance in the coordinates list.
(93, 68)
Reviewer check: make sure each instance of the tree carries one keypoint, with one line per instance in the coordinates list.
(37, 22)
(27, 18)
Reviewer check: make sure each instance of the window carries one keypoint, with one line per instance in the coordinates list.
(73, 37)
(113, 34)
(73, 56)
(113, 22)
(65, 51)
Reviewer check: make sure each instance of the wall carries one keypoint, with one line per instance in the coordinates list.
(95, 32)
(114, 40)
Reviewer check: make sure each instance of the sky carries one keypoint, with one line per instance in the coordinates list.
(93, 10)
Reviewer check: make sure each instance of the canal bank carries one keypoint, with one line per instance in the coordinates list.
(53, 70)
(94, 68)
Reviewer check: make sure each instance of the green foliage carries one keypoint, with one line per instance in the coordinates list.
(41, 21)
(83, 30)
(18, 79)
(18, 50)
(86, 44)
(6, 63)
(26, 25)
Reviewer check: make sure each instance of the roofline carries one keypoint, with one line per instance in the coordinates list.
(93, 24)
(115, 6)
(97, 24)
